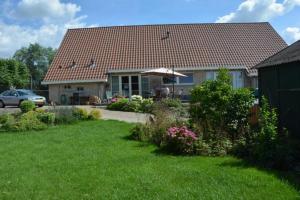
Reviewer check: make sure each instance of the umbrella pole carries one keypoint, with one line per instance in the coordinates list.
(173, 86)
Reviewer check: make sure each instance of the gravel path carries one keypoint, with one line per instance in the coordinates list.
(106, 114)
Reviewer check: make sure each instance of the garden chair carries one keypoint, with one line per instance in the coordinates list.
(108, 98)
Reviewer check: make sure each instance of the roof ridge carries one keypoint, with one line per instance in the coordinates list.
(172, 24)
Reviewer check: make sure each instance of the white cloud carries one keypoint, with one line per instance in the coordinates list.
(46, 10)
(53, 17)
(293, 33)
(259, 10)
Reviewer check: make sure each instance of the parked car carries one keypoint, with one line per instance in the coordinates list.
(15, 97)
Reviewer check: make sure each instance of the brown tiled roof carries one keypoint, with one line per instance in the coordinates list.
(148, 46)
(287, 55)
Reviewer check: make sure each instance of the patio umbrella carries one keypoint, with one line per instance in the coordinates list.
(165, 72)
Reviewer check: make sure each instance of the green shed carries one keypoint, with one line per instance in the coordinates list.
(279, 81)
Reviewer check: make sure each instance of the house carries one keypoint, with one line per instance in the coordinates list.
(93, 61)
(279, 82)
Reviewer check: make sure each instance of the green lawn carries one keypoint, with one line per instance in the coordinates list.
(93, 160)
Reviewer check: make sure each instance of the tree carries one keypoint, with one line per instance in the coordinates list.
(13, 74)
(219, 109)
(37, 58)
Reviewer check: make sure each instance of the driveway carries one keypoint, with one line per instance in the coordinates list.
(106, 114)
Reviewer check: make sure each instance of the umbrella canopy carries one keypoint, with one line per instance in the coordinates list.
(163, 72)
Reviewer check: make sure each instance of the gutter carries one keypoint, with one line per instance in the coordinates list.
(73, 81)
(213, 67)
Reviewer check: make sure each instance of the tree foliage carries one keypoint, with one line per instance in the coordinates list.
(13, 74)
(220, 110)
(37, 58)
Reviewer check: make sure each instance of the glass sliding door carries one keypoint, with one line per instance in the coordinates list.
(135, 88)
(115, 85)
(125, 86)
(145, 87)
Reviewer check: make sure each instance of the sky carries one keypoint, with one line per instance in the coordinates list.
(45, 21)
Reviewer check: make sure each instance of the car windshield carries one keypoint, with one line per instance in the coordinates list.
(25, 92)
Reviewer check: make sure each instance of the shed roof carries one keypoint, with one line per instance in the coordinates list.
(89, 53)
(287, 55)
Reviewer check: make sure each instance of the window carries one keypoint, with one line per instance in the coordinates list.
(80, 88)
(169, 80)
(237, 79)
(211, 75)
(189, 79)
(67, 86)
(186, 80)
(6, 93)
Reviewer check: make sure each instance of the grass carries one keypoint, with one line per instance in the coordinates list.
(93, 160)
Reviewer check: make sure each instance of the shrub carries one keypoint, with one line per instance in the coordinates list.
(219, 146)
(46, 117)
(63, 115)
(171, 103)
(202, 148)
(118, 105)
(180, 140)
(137, 98)
(265, 146)
(95, 114)
(7, 121)
(131, 106)
(27, 106)
(140, 132)
(80, 113)
(146, 105)
(220, 110)
(29, 121)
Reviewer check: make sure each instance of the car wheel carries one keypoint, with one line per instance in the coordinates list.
(2, 104)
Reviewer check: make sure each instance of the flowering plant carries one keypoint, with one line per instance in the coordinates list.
(114, 100)
(137, 98)
(181, 140)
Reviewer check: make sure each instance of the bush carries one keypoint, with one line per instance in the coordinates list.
(171, 103)
(7, 121)
(95, 114)
(220, 110)
(27, 106)
(131, 106)
(46, 117)
(140, 132)
(180, 140)
(146, 105)
(63, 115)
(29, 121)
(118, 105)
(136, 104)
(137, 98)
(265, 146)
(80, 113)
